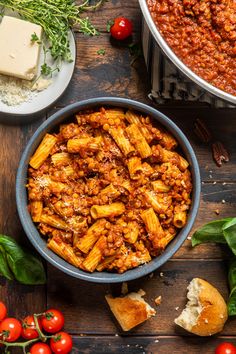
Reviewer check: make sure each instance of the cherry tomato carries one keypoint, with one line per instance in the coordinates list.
(40, 348)
(3, 311)
(122, 28)
(225, 348)
(61, 343)
(10, 328)
(52, 321)
(28, 328)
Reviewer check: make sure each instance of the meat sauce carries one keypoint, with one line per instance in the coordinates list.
(202, 34)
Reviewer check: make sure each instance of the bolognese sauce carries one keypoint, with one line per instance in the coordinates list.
(108, 190)
(203, 35)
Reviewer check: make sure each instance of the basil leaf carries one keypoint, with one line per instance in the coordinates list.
(211, 232)
(232, 275)
(26, 268)
(4, 269)
(232, 302)
(229, 231)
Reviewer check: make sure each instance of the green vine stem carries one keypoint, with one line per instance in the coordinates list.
(37, 327)
(24, 345)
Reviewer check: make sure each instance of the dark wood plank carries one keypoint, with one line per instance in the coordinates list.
(211, 202)
(109, 75)
(19, 298)
(113, 9)
(87, 312)
(222, 123)
(83, 304)
(147, 345)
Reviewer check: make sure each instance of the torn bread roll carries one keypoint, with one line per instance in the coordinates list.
(206, 312)
(130, 310)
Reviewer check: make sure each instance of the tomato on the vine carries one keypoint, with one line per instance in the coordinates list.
(225, 348)
(61, 343)
(52, 321)
(122, 28)
(29, 328)
(3, 311)
(40, 348)
(10, 329)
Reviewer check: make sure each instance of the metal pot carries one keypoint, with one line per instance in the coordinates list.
(178, 63)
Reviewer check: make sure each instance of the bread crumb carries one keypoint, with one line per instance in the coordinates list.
(156, 341)
(217, 211)
(128, 345)
(116, 335)
(161, 274)
(124, 288)
(151, 275)
(214, 182)
(177, 308)
(203, 182)
(158, 300)
(224, 183)
(206, 320)
(141, 292)
(210, 176)
(189, 238)
(221, 315)
(223, 201)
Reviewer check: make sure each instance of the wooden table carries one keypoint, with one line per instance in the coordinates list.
(88, 318)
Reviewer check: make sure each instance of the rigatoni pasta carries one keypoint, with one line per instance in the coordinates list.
(109, 191)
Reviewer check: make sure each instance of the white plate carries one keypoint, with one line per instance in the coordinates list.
(41, 100)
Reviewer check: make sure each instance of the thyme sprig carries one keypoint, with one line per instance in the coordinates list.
(56, 17)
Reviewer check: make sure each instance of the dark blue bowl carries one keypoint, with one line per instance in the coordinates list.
(21, 194)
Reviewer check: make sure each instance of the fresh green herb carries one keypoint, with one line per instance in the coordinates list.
(35, 38)
(110, 23)
(229, 231)
(17, 263)
(135, 50)
(87, 28)
(101, 51)
(211, 232)
(46, 70)
(4, 268)
(232, 286)
(222, 231)
(56, 18)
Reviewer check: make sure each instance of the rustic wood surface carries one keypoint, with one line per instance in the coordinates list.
(88, 318)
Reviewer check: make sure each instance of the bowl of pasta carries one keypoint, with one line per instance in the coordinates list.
(108, 189)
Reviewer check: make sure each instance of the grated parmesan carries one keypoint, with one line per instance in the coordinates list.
(14, 91)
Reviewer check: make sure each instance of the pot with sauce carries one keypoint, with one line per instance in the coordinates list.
(199, 38)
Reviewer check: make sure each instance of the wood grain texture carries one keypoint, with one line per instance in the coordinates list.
(20, 299)
(146, 345)
(113, 9)
(83, 304)
(109, 75)
(88, 313)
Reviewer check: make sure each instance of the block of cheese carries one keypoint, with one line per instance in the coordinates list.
(19, 55)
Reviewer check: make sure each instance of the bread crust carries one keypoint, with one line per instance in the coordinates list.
(130, 310)
(214, 312)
